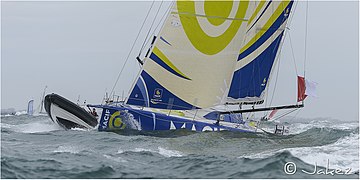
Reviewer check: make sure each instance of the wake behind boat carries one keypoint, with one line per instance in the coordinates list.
(202, 58)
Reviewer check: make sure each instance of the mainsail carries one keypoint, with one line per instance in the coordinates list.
(264, 33)
(192, 60)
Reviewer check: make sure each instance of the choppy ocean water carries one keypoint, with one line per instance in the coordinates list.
(34, 147)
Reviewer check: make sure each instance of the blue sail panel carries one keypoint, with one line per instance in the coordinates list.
(251, 80)
(149, 93)
(139, 94)
(269, 32)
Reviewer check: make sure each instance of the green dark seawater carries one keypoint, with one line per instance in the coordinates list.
(34, 147)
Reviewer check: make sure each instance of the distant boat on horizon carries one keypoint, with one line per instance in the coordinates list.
(40, 108)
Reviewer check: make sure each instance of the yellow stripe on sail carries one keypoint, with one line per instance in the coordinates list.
(268, 24)
(261, 4)
(168, 62)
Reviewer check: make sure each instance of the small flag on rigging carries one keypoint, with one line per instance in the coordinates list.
(306, 88)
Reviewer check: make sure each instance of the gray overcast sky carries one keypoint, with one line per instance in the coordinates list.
(78, 48)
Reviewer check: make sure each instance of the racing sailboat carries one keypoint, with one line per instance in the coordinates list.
(207, 54)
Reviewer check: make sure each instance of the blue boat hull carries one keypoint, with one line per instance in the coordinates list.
(116, 118)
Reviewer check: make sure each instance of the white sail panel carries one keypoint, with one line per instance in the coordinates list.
(193, 58)
(257, 56)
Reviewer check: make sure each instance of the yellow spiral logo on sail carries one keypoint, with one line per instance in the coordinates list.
(115, 122)
(217, 13)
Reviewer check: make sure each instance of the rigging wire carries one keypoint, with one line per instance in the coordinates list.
(152, 24)
(277, 72)
(293, 54)
(132, 47)
(292, 14)
(291, 44)
(296, 114)
(161, 20)
(167, 12)
(277, 61)
(267, 88)
(285, 114)
(276, 79)
(278, 57)
(306, 29)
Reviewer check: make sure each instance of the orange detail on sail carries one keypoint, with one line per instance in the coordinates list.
(301, 89)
